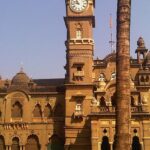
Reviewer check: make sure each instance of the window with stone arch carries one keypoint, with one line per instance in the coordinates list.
(2, 143)
(142, 79)
(132, 101)
(102, 102)
(113, 99)
(33, 143)
(37, 112)
(147, 78)
(48, 111)
(0, 114)
(15, 144)
(17, 111)
(79, 31)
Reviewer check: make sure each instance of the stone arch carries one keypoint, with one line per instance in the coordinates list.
(58, 110)
(105, 143)
(55, 143)
(48, 111)
(136, 143)
(2, 143)
(16, 111)
(102, 102)
(15, 144)
(37, 112)
(32, 143)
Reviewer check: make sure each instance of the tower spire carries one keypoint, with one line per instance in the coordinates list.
(111, 42)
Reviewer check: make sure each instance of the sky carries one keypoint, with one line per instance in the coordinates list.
(32, 34)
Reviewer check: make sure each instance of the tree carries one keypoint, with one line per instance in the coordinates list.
(123, 112)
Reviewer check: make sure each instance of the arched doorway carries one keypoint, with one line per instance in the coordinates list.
(136, 143)
(15, 144)
(32, 143)
(2, 143)
(55, 143)
(105, 143)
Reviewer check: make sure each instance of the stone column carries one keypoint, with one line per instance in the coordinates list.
(7, 147)
(123, 94)
(94, 134)
(111, 145)
(142, 146)
(22, 147)
(43, 147)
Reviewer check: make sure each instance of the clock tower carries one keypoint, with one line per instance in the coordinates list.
(80, 22)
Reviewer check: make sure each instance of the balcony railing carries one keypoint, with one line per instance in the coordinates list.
(112, 109)
(78, 114)
(79, 74)
(16, 119)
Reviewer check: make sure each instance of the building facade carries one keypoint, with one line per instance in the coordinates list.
(76, 112)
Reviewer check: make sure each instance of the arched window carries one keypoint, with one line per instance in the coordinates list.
(79, 31)
(48, 111)
(132, 101)
(79, 34)
(58, 110)
(147, 78)
(113, 99)
(2, 143)
(105, 143)
(15, 144)
(102, 102)
(113, 76)
(37, 112)
(136, 143)
(142, 79)
(55, 143)
(32, 143)
(0, 114)
(16, 110)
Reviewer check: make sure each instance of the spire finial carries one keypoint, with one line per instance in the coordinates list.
(21, 67)
(111, 42)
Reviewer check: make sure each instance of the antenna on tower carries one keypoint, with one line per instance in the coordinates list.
(111, 42)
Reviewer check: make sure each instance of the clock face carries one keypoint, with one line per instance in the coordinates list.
(78, 5)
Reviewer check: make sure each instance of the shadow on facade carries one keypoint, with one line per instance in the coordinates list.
(83, 139)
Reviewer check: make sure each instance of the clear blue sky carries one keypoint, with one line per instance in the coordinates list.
(32, 32)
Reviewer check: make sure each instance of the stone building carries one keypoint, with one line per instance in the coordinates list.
(76, 112)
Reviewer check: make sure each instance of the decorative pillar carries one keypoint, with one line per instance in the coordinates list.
(111, 145)
(142, 146)
(22, 147)
(7, 147)
(94, 134)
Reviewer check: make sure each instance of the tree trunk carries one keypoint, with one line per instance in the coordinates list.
(123, 112)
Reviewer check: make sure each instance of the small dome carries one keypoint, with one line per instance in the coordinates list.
(141, 42)
(20, 79)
